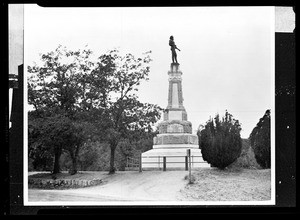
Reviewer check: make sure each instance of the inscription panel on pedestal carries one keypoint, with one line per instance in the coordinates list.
(175, 97)
(175, 128)
(175, 115)
(175, 139)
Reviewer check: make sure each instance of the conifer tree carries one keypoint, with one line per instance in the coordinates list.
(260, 141)
(220, 141)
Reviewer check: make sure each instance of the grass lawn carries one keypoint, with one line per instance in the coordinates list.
(229, 185)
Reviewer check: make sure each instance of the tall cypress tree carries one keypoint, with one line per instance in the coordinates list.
(261, 142)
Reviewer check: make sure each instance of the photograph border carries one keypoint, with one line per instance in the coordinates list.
(19, 208)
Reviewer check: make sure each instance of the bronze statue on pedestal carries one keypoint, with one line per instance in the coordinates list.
(173, 49)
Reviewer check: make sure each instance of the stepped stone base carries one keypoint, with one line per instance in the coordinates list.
(176, 139)
(176, 146)
(175, 158)
(175, 126)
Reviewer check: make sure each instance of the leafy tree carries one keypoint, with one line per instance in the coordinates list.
(89, 156)
(122, 115)
(261, 142)
(101, 93)
(77, 136)
(42, 158)
(56, 89)
(119, 114)
(58, 85)
(53, 135)
(220, 141)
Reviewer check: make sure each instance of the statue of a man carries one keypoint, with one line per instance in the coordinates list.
(173, 49)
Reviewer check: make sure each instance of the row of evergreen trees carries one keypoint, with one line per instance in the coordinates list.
(221, 144)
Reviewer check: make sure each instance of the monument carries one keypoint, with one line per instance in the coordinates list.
(175, 132)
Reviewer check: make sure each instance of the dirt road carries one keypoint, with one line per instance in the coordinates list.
(123, 186)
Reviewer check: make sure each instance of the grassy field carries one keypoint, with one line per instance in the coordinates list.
(229, 185)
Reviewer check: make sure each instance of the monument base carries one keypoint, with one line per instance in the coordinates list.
(175, 158)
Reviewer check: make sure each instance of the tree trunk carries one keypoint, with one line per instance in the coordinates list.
(74, 156)
(74, 166)
(112, 158)
(57, 154)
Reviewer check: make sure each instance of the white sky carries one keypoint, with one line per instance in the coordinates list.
(226, 53)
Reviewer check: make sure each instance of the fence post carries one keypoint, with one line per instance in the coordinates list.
(159, 162)
(165, 161)
(140, 162)
(186, 163)
(192, 160)
(189, 156)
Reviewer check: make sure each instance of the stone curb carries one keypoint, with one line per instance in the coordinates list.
(50, 183)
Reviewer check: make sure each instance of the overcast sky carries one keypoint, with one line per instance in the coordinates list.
(226, 53)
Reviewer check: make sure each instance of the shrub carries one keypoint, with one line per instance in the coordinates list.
(193, 179)
(220, 141)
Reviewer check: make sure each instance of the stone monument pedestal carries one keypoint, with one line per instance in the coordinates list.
(175, 132)
(175, 158)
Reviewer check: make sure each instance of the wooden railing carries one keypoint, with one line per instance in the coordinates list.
(132, 162)
(188, 161)
(162, 161)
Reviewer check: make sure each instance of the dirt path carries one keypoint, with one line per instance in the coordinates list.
(122, 186)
